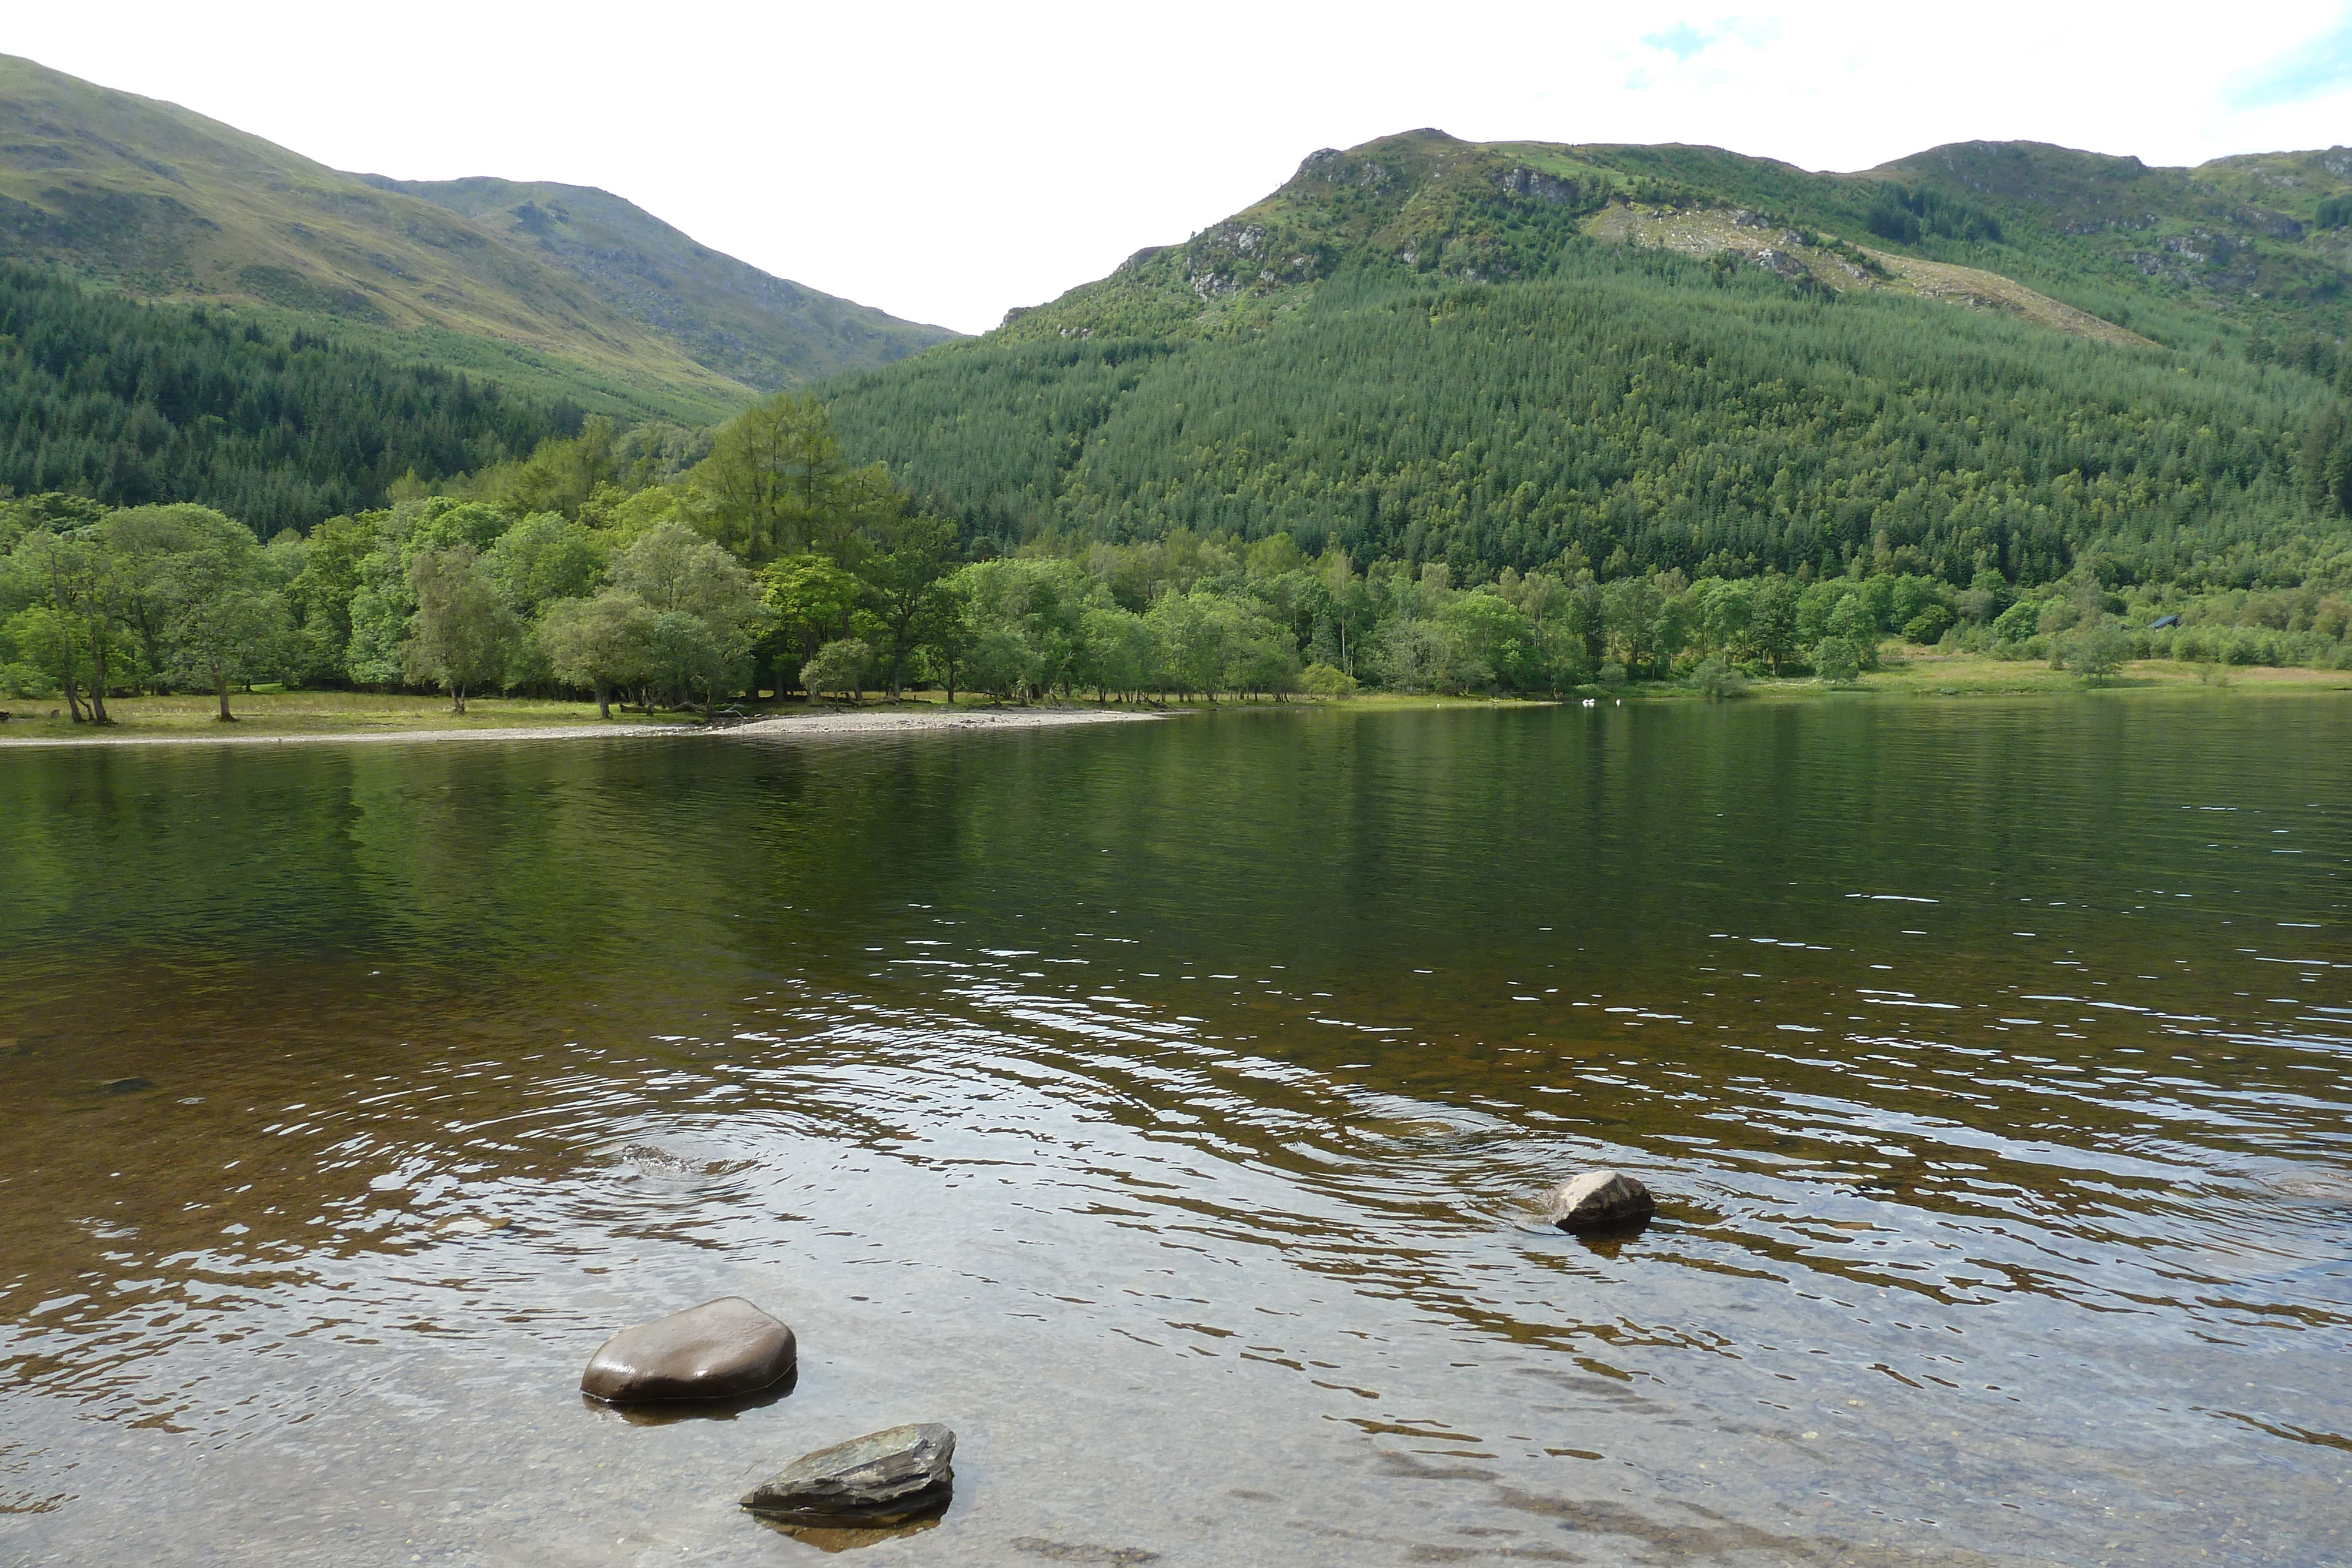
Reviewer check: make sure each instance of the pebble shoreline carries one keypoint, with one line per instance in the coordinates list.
(856, 722)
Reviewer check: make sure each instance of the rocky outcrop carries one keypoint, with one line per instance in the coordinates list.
(2272, 225)
(721, 1350)
(1536, 186)
(1599, 1200)
(1336, 168)
(883, 1478)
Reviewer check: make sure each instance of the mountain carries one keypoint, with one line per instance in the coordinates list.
(2238, 245)
(1516, 354)
(602, 303)
(729, 317)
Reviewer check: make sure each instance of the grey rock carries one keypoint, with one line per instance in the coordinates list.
(720, 1350)
(879, 1479)
(1548, 189)
(1599, 1198)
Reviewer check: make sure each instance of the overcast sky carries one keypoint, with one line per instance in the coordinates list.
(947, 161)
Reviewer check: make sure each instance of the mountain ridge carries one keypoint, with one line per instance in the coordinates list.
(162, 203)
(1534, 356)
(2092, 232)
(632, 259)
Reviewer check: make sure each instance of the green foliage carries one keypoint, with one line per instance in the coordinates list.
(1028, 616)
(561, 476)
(131, 404)
(2097, 654)
(1930, 624)
(2018, 622)
(904, 574)
(462, 634)
(1837, 661)
(1714, 677)
(707, 614)
(681, 654)
(841, 665)
(1907, 215)
(1324, 681)
(1413, 351)
(814, 599)
(544, 559)
(1626, 402)
(39, 651)
(220, 618)
(623, 586)
(598, 644)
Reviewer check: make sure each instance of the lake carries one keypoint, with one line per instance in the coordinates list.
(1160, 1104)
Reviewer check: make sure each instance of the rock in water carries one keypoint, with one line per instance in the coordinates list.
(720, 1350)
(1601, 1197)
(879, 1479)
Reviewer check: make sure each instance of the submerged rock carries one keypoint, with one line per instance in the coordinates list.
(1600, 1199)
(720, 1350)
(879, 1479)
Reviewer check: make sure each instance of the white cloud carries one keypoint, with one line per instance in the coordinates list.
(945, 161)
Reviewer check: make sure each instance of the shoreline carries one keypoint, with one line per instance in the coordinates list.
(907, 719)
(1915, 675)
(915, 716)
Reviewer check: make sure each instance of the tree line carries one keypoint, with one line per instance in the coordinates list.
(1638, 410)
(660, 569)
(134, 405)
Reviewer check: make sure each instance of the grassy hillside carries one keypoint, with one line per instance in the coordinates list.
(161, 203)
(1493, 356)
(729, 316)
(2226, 250)
(2238, 248)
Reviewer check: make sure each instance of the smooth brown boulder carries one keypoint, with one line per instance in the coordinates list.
(720, 1350)
(882, 1478)
(1599, 1198)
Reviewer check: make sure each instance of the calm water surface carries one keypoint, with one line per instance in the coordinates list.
(1156, 1105)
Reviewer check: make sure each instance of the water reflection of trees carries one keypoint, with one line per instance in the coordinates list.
(215, 920)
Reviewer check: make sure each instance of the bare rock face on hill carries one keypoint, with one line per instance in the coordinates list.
(1824, 260)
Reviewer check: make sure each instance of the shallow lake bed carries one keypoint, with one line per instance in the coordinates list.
(1158, 1105)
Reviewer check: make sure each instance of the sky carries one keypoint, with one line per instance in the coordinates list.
(948, 161)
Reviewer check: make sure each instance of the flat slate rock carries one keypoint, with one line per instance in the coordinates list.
(1599, 1198)
(720, 1350)
(879, 1479)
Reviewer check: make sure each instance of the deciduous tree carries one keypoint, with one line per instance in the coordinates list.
(601, 644)
(462, 633)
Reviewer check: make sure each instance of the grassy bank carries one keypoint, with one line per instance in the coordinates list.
(263, 714)
(1924, 671)
(1921, 671)
(303, 712)
(1917, 672)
